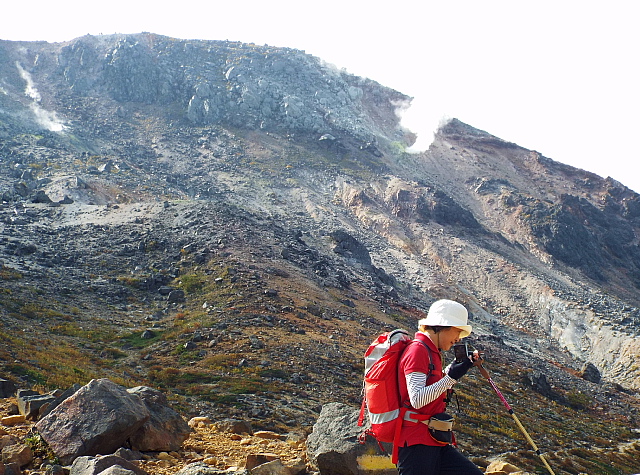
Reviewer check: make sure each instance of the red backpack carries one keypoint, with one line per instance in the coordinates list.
(381, 395)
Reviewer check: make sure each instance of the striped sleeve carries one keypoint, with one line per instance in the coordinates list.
(420, 395)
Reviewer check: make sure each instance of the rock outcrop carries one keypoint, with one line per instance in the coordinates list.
(101, 417)
(337, 444)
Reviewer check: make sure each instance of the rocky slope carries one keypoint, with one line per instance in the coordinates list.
(234, 223)
(218, 447)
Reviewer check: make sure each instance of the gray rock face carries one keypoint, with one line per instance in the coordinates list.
(165, 430)
(108, 464)
(10, 469)
(275, 467)
(350, 247)
(98, 418)
(176, 296)
(334, 447)
(226, 82)
(59, 398)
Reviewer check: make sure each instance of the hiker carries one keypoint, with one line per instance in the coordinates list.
(427, 387)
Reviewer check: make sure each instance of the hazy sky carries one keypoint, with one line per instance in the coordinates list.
(559, 77)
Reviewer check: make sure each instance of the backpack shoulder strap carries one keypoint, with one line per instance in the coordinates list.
(450, 392)
(432, 367)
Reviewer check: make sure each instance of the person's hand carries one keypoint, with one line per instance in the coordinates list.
(458, 370)
(478, 358)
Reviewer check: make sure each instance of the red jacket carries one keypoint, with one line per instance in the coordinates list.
(416, 359)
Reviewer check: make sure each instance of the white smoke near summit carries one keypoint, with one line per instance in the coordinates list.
(30, 90)
(47, 119)
(423, 118)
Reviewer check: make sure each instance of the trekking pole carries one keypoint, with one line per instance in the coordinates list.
(485, 373)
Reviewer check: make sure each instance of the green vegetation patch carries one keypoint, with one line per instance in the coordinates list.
(39, 447)
(221, 361)
(273, 373)
(179, 379)
(242, 385)
(579, 400)
(133, 282)
(193, 283)
(76, 330)
(23, 371)
(37, 311)
(113, 353)
(135, 340)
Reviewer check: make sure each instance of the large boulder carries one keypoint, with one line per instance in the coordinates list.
(60, 396)
(111, 464)
(335, 447)
(97, 419)
(165, 430)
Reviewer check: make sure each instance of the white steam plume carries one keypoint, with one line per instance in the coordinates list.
(424, 120)
(47, 119)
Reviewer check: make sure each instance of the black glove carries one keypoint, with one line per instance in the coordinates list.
(458, 370)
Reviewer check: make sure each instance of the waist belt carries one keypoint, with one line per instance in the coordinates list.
(416, 417)
(438, 424)
(434, 422)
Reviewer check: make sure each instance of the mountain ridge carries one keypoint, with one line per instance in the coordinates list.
(278, 196)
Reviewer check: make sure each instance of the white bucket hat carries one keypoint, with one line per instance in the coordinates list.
(447, 313)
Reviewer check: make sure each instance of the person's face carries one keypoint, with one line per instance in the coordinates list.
(449, 337)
